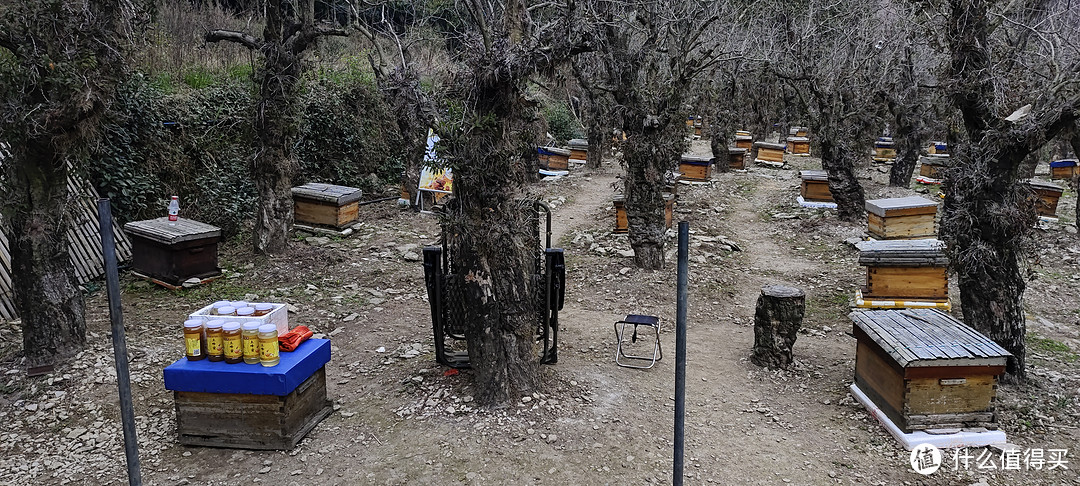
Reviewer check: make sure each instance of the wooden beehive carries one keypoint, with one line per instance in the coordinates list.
(815, 186)
(326, 204)
(937, 148)
(770, 152)
(905, 270)
(553, 158)
(737, 158)
(579, 149)
(900, 218)
(884, 149)
(622, 225)
(172, 254)
(798, 145)
(1047, 196)
(798, 132)
(1064, 169)
(932, 165)
(926, 370)
(744, 140)
(695, 168)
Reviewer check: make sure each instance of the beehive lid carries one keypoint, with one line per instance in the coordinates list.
(880, 206)
(339, 195)
(796, 130)
(885, 139)
(913, 253)
(888, 143)
(934, 159)
(695, 159)
(742, 133)
(1042, 186)
(161, 231)
(553, 151)
(770, 145)
(798, 139)
(813, 175)
(1063, 163)
(577, 143)
(928, 337)
(744, 137)
(733, 150)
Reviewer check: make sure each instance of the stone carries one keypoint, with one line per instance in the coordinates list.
(76, 433)
(626, 253)
(1070, 229)
(191, 282)
(317, 240)
(411, 256)
(264, 470)
(350, 317)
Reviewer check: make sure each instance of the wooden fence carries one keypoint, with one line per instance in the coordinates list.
(84, 244)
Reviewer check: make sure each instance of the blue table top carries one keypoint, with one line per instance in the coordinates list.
(250, 379)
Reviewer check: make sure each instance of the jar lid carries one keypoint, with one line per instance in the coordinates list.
(192, 323)
(251, 326)
(245, 311)
(263, 306)
(226, 310)
(267, 328)
(220, 303)
(214, 324)
(231, 326)
(239, 303)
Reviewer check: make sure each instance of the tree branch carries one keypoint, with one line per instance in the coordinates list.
(244, 39)
(299, 42)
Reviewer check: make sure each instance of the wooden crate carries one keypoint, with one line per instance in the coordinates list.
(695, 168)
(798, 146)
(884, 149)
(932, 165)
(1046, 197)
(622, 225)
(579, 149)
(905, 270)
(553, 158)
(252, 421)
(770, 152)
(737, 158)
(1064, 169)
(815, 186)
(926, 370)
(174, 253)
(901, 218)
(330, 205)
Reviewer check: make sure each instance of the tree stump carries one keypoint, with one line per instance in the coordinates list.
(777, 320)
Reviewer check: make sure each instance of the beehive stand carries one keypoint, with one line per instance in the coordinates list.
(900, 218)
(171, 254)
(904, 273)
(251, 406)
(329, 205)
(925, 370)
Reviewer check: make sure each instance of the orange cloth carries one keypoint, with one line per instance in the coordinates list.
(292, 339)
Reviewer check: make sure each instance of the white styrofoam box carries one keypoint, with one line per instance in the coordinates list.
(278, 317)
(956, 440)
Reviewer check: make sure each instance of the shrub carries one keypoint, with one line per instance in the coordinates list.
(561, 121)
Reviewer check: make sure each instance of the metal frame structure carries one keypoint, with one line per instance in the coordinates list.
(444, 283)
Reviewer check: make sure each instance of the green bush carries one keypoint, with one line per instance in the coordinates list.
(561, 122)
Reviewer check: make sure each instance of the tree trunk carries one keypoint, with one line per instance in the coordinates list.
(401, 91)
(646, 162)
(46, 292)
(598, 137)
(777, 320)
(907, 141)
(276, 125)
(839, 162)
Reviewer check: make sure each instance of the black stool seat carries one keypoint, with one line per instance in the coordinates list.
(628, 360)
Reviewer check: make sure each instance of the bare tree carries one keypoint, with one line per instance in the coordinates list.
(490, 136)
(291, 28)
(651, 52)
(1016, 58)
(60, 64)
(398, 78)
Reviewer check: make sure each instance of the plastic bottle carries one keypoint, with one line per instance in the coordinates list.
(174, 210)
(262, 309)
(251, 342)
(268, 345)
(215, 350)
(194, 342)
(234, 348)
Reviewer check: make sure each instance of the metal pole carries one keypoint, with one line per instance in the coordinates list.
(680, 354)
(116, 315)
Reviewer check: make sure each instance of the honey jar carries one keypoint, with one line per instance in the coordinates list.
(262, 309)
(268, 345)
(215, 346)
(251, 342)
(194, 342)
(233, 346)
